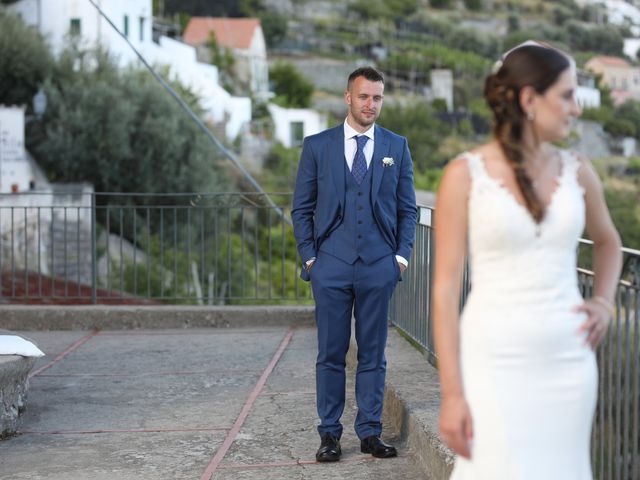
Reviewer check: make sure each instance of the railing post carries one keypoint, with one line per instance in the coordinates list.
(94, 252)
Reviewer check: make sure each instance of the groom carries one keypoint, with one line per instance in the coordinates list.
(354, 217)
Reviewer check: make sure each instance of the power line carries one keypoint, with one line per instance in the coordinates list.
(227, 153)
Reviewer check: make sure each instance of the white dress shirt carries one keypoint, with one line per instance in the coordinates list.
(351, 144)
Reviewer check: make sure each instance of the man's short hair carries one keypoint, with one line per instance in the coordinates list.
(369, 73)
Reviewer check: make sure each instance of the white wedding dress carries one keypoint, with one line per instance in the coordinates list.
(528, 377)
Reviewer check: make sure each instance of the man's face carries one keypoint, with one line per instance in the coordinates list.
(364, 100)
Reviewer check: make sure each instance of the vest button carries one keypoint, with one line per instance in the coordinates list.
(359, 236)
(359, 221)
(359, 208)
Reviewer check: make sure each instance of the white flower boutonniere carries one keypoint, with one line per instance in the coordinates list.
(387, 162)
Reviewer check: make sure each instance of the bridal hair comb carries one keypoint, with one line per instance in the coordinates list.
(498, 64)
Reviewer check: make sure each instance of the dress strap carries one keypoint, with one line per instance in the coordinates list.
(476, 166)
(570, 165)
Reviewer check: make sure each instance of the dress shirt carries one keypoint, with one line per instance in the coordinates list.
(351, 144)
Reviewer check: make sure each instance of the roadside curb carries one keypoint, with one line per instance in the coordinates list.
(411, 405)
(108, 317)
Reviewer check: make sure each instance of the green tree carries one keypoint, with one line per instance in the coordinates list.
(561, 14)
(223, 58)
(381, 9)
(274, 26)
(625, 212)
(120, 131)
(417, 122)
(25, 61)
(473, 5)
(620, 127)
(440, 3)
(630, 112)
(369, 9)
(601, 39)
(292, 89)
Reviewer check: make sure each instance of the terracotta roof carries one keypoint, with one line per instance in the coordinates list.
(230, 32)
(610, 61)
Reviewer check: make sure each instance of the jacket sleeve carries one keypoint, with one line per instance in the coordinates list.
(304, 203)
(407, 211)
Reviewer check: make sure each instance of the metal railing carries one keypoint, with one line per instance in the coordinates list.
(236, 248)
(615, 436)
(615, 443)
(145, 248)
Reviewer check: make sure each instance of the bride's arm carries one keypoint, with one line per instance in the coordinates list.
(450, 228)
(607, 256)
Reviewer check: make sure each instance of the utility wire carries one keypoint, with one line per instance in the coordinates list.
(226, 152)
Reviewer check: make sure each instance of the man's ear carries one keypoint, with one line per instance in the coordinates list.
(347, 97)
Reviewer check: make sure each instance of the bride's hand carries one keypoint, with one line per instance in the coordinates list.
(456, 426)
(597, 323)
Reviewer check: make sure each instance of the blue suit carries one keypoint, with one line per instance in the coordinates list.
(354, 231)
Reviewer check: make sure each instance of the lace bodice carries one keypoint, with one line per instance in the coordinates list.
(509, 251)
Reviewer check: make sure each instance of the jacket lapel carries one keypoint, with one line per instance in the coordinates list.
(336, 163)
(380, 150)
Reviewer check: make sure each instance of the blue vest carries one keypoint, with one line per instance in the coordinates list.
(358, 236)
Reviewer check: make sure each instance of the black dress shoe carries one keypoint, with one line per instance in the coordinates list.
(377, 447)
(329, 450)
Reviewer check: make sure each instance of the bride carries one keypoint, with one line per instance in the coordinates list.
(517, 368)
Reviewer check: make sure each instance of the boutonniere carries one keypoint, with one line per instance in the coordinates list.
(387, 162)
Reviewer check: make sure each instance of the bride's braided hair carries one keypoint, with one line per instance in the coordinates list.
(536, 66)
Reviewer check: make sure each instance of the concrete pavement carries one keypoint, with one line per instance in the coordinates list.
(197, 403)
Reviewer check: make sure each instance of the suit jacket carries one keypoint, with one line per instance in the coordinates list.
(319, 196)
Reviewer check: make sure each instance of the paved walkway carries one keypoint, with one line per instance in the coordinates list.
(181, 404)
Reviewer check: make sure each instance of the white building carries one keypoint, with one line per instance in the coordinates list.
(587, 95)
(619, 12)
(16, 174)
(442, 86)
(57, 20)
(293, 124)
(244, 37)
(631, 47)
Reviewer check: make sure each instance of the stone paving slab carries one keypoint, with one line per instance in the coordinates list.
(77, 403)
(131, 402)
(109, 456)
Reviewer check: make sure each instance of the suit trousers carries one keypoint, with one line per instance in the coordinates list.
(340, 289)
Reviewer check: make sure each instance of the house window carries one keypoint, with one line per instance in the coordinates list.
(141, 25)
(126, 26)
(74, 27)
(297, 133)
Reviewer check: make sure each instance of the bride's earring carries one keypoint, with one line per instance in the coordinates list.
(530, 116)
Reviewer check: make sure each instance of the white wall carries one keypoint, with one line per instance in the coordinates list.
(53, 18)
(202, 79)
(631, 47)
(313, 122)
(15, 170)
(259, 66)
(588, 97)
(442, 86)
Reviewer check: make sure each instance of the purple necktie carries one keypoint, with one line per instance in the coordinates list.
(359, 167)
